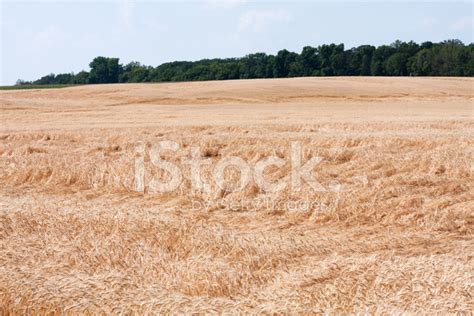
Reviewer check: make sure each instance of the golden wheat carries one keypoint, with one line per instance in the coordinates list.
(397, 237)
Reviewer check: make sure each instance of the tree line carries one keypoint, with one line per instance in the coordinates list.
(447, 58)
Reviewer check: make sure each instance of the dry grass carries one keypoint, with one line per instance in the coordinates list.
(75, 237)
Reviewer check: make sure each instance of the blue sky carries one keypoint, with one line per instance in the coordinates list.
(64, 36)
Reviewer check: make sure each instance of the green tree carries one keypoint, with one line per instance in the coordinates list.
(421, 63)
(283, 60)
(104, 70)
(309, 60)
(448, 58)
(379, 60)
(48, 79)
(64, 79)
(81, 78)
(396, 65)
(134, 72)
(333, 61)
(361, 60)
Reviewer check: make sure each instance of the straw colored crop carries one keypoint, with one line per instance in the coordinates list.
(396, 237)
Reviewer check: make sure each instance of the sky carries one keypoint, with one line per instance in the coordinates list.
(42, 37)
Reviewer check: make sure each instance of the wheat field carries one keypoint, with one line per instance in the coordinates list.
(396, 237)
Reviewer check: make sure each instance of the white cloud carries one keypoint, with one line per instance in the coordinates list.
(259, 20)
(48, 38)
(429, 22)
(225, 4)
(463, 23)
(156, 26)
(125, 12)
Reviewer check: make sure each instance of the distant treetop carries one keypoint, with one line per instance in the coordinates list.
(448, 58)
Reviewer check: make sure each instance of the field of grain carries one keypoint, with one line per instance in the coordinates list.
(396, 236)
